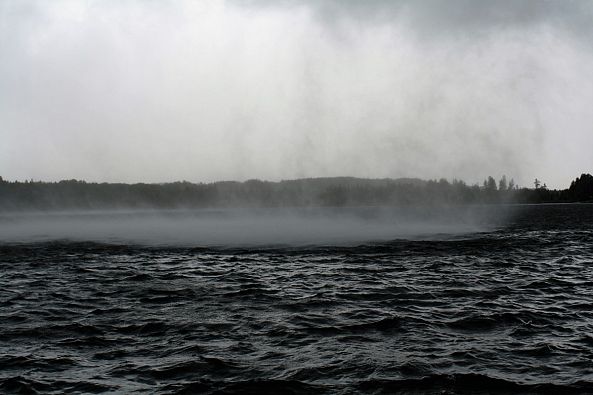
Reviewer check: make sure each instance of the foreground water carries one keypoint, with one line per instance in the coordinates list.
(503, 310)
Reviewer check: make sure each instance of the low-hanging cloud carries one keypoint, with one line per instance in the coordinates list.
(241, 227)
(209, 90)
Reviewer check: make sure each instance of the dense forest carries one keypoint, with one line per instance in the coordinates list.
(335, 191)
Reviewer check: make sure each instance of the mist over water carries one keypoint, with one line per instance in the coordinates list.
(252, 227)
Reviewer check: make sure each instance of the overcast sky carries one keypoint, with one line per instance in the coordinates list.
(157, 91)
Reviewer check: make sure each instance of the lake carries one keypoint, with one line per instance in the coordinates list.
(488, 300)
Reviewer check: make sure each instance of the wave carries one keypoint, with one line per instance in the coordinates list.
(469, 383)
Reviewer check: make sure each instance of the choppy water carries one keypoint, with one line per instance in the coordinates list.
(509, 310)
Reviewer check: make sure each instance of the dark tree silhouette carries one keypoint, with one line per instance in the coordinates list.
(581, 189)
(502, 184)
(490, 184)
(337, 191)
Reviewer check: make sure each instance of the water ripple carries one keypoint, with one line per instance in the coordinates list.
(503, 312)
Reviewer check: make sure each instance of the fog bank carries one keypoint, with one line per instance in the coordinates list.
(263, 227)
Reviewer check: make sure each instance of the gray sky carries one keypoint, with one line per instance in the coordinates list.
(158, 91)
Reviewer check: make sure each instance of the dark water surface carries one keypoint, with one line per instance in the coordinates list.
(509, 310)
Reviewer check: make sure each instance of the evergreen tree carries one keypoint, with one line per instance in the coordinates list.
(502, 184)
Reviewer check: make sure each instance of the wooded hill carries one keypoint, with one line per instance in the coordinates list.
(334, 191)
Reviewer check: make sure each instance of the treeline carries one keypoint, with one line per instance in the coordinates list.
(335, 191)
(580, 190)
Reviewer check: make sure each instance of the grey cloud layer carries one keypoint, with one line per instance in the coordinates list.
(450, 15)
(160, 91)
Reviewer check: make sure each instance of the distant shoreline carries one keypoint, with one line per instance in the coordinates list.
(69, 195)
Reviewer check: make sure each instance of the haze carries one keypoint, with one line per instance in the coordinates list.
(209, 90)
(249, 228)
